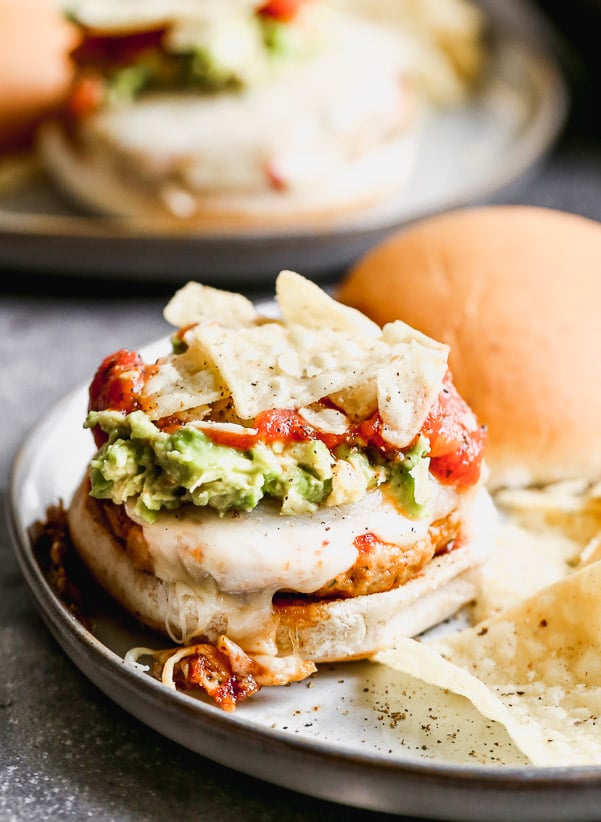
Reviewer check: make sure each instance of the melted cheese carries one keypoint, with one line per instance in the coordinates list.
(200, 608)
(262, 549)
(226, 570)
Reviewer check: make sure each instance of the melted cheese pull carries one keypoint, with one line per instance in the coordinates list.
(227, 569)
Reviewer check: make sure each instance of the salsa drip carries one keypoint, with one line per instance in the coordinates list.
(118, 385)
(456, 441)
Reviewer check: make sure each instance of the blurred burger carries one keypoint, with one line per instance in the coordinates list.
(514, 291)
(251, 111)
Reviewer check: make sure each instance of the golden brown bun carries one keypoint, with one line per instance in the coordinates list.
(516, 292)
(34, 66)
(324, 631)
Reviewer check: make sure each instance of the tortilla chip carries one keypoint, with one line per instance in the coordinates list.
(320, 348)
(224, 427)
(524, 562)
(359, 402)
(399, 332)
(302, 302)
(181, 382)
(592, 551)
(535, 668)
(327, 420)
(572, 508)
(277, 366)
(196, 303)
(407, 386)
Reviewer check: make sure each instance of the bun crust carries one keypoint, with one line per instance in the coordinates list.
(514, 290)
(319, 631)
(93, 179)
(34, 66)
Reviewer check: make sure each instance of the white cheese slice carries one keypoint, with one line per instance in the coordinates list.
(261, 549)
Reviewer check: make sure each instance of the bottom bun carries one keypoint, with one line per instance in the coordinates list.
(94, 178)
(315, 630)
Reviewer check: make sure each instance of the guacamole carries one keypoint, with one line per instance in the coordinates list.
(239, 54)
(157, 469)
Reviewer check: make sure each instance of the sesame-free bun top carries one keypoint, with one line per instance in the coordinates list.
(34, 66)
(516, 292)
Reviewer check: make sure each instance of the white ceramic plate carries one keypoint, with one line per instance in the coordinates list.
(358, 734)
(466, 156)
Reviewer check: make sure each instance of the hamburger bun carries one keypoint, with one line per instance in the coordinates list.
(317, 630)
(93, 179)
(514, 291)
(34, 67)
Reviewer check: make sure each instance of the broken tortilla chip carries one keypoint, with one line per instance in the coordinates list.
(303, 302)
(194, 303)
(524, 562)
(535, 668)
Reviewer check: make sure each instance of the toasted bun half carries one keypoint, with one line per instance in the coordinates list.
(34, 66)
(93, 178)
(317, 630)
(515, 291)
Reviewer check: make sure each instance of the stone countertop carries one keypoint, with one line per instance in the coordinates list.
(66, 751)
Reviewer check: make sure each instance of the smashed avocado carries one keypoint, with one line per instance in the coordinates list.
(155, 469)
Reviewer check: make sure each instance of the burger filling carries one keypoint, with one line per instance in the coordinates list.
(253, 99)
(315, 455)
(208, 52)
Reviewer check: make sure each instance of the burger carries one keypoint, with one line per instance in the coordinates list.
(277, 492)
(513, 290)
(252, 112)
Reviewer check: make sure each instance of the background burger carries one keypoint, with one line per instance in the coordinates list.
(251, 111)
(35, 69)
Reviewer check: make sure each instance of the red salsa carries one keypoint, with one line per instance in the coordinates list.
(117, 385)
(456, 441)
(281, 9)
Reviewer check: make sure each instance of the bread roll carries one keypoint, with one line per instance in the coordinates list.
(34, 66)
(516, 293)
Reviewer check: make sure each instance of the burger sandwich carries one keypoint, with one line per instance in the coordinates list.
(280, 491)
(249, 112)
